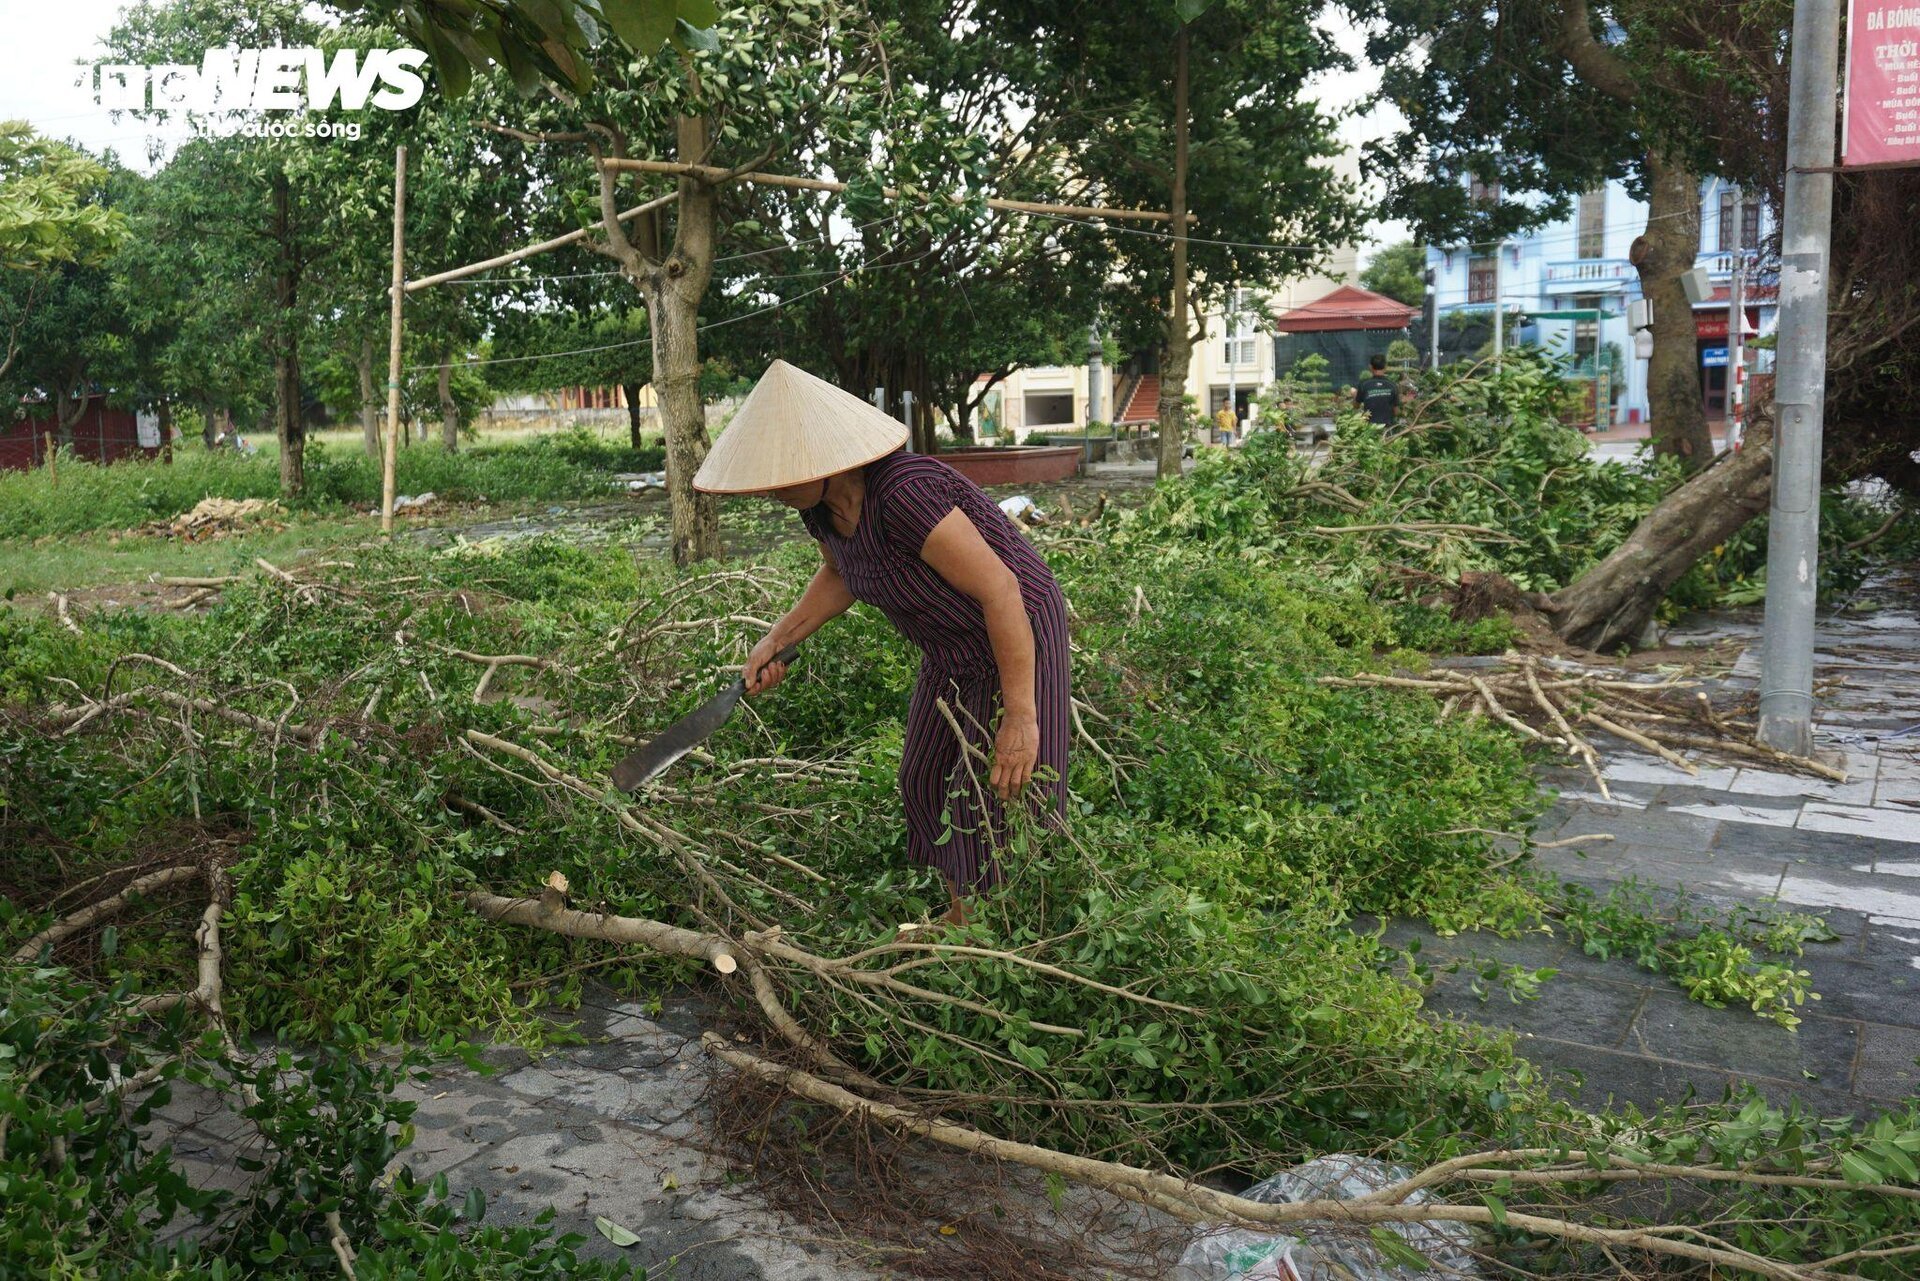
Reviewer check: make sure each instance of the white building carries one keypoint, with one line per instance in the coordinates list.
(1579, 264)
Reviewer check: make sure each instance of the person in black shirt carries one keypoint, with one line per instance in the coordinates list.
(1377, 393)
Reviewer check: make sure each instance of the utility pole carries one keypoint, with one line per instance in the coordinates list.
(1800, 384)
(1096, 374)
(397, 297)
(1499, 315)
(1736, 317)
(1433, 305)
(1233, 356)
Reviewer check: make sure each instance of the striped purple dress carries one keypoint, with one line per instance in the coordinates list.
(952, 823)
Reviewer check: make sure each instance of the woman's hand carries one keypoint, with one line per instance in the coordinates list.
(764, 670)
(1016, 750)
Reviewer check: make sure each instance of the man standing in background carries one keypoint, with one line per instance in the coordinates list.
(1377, 394)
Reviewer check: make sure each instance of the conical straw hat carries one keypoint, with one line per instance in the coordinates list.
(793, 428)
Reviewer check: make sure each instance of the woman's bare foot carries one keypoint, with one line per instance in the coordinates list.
(957, 908)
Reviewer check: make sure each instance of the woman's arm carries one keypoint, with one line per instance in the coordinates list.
(825, 599)
(958, 553)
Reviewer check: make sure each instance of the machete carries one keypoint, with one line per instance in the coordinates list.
(686, 733)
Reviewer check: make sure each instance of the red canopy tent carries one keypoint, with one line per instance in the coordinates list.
(1348, 307)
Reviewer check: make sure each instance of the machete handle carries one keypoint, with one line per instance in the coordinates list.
(784, 656)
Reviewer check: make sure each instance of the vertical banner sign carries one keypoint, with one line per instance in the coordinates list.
(1883, 83)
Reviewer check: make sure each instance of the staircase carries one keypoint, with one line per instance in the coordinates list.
(1143, 403)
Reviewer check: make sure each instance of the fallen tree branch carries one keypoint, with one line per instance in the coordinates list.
(1196, 1203)
(106, 907)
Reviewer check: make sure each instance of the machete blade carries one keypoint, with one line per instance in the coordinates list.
(677, 739)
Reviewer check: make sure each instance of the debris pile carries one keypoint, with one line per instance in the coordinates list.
(216, 517)
(1558, 704)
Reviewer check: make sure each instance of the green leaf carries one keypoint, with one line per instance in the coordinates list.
(1188, 10)
(614, 1232)
(1498, 1209)
(698, 13)
(689, 36)
(642, 25)
(1396, 1250)
(1857, 1168)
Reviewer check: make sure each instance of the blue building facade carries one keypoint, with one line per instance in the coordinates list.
(1579, 265)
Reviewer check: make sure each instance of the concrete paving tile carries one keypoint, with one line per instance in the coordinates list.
(1845, 850)
(1730, 881)
(1603, 1078)
(1762, 782)
(1890, 793)
(1883, 824)
(1884, 990)
(214, 1115)
(1881, 898)
(1651, 769)
(1590, 1010)
(1887, 1062)
(1663, 828)
(1670, 1026)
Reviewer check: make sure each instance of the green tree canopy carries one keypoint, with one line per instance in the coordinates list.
(1399, 272)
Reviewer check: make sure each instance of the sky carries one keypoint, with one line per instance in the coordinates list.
(44, 41)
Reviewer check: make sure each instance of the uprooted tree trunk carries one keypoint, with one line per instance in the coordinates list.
(1661, 254)
(1611, 604)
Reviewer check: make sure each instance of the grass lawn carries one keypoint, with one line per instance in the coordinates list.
(68, 562)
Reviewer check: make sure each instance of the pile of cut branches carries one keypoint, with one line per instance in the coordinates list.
(416, 745)
(1558, 704)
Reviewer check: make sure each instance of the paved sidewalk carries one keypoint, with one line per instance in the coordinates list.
(622, 1126)
(1849, 852)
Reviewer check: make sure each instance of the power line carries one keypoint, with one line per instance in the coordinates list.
(869, 264)
(1518, 238)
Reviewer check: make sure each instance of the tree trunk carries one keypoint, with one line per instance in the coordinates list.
(673, 292)
(209, 424)
(1611, 604)
(166, 431)
(286, 356)
(68, 408)
(369, 407)
(1662, 253)
(449, 412)
(632, 393)
(1173, 370)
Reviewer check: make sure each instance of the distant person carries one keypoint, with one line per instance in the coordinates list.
(1378, 394)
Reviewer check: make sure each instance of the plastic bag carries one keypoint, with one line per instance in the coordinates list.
(1326, 1251)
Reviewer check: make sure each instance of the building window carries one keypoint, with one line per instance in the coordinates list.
(1482, 192)
(1481, 272)
(1749, 223)
(1593, 224)
(1586, 333)
(1242, 324)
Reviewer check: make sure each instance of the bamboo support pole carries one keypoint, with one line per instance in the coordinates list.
(398, 297)
(711, 173)
(531, 251)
